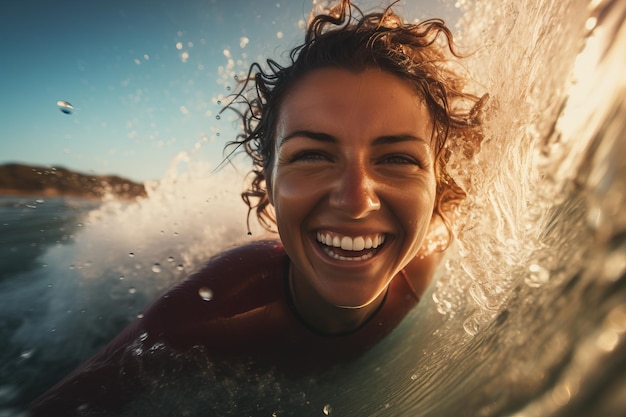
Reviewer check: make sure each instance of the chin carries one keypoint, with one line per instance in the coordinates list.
(350, 298)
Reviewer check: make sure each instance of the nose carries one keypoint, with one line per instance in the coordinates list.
(355, 192)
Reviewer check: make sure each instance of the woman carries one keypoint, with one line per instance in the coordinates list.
(349, 151)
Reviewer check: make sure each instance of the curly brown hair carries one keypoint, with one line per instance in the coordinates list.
(344, 37)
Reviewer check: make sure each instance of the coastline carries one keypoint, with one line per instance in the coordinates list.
(20, 180)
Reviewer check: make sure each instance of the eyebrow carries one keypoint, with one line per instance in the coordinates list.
(325, 137)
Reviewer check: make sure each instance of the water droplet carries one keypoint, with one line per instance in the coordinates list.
(615, 263)
(413, 377)
(228, 88)
(131, 254)
(27, 354)
(170, 259)
(65, 107)
(327, 409)
(157, 346)
(205, 293)
(180, 267)
(143, 337)
(219, 102)
(140, 315)
(471, 326)
(591, 23)
(538, 276)
(156, 268)
(217, 117)
(132, 290)
(607, 340)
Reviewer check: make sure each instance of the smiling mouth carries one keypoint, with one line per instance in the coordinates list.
(347, 248)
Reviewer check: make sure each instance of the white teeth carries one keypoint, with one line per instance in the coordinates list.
(333, 255)
(356, 244)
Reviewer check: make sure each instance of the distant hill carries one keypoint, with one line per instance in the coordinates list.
(27, 180)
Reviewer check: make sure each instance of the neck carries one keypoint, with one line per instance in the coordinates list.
(325, 317)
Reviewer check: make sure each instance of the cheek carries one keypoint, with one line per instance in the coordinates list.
(293, 187)
(415, 212)
(293, 200)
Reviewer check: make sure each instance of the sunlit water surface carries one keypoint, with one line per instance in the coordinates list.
(528, 313)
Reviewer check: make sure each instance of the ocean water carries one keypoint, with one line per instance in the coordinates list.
(527, 316)
(75, 272)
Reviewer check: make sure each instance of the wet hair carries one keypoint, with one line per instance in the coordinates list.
(343, 37)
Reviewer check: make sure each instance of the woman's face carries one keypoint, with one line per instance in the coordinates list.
(352, 181)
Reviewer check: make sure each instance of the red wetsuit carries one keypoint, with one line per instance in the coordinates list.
(236, 308)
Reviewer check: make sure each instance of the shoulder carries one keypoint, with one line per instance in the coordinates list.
(256, 256)
(231, 272)
(231, 284)
(217, 307)
(238, 271)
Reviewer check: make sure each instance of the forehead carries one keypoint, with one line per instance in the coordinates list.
(370, 102)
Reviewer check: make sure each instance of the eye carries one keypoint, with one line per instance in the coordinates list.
(310, 156)
(399, 159)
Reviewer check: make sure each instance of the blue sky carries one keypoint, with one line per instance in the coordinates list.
(144, 77)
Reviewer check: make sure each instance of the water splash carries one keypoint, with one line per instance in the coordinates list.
(191, 214)
(519, 55)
